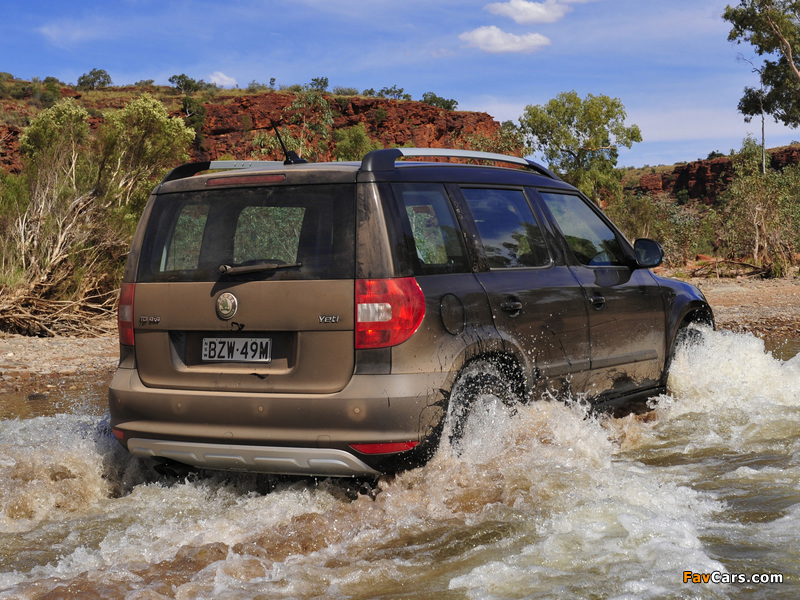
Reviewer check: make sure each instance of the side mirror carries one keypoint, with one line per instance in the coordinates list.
(649, 253)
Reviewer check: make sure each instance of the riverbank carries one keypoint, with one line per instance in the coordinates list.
(50, 368)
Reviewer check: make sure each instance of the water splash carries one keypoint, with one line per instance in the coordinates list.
(542, 501)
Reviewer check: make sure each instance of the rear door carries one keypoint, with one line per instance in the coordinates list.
(248, 289)
(537, 304)
(625, 305)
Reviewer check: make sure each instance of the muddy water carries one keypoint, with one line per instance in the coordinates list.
(550, 503)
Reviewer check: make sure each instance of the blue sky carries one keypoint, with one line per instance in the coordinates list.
(668, 62)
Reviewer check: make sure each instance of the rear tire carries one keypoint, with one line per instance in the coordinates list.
(480, 388)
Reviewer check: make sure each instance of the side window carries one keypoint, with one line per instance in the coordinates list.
(591, 240)
(510, 235)
(183, 252)
(433, 226)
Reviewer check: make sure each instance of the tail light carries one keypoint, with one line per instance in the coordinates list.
(125, 314)
(388, 311)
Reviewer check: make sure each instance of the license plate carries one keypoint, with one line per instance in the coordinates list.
(237, 349)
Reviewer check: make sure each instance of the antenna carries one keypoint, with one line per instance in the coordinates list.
(291, 155)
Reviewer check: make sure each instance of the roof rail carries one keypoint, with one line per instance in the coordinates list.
(383, 160)
(190, 169)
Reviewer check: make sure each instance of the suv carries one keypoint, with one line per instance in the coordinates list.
(313, 319)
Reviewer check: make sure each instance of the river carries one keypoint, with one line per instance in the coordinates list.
(690, 501)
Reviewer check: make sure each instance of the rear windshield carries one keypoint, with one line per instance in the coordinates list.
(282, 232)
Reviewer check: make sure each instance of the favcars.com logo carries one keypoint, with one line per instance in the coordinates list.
(720, 577)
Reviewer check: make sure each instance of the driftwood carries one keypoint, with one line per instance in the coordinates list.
(28, 314)
(722, 267)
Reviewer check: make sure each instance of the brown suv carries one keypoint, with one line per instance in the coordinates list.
(313, 319)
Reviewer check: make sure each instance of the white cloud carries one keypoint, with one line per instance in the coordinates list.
(493, 39)
(67, 32)
(527, 13)
(219, 78)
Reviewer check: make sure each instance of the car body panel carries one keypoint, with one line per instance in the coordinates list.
(309, 324)
(627, 329)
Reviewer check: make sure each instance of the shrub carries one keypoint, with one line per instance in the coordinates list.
(353, 143)
(434, 100)
(345, 91)
(684, 231)
(762, 213)
(393, 92)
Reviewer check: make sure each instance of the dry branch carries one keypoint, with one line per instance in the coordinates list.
(29, 314)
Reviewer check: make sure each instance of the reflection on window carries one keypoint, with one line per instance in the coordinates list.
(592, 241)
(507, 228)
(433, 228)
(184, 249)
(267, 233)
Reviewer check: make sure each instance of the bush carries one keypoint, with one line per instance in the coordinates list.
(345, 91)
(353, 143)
(434, 100)
(684, 231)
(254, 87)
(393, 92)
(507, 140)
(762, 213)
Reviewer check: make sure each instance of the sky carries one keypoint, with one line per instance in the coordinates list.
(669, 62)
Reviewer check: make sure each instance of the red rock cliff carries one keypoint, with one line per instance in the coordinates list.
(231, 122)
(706, 180)
(230, 126)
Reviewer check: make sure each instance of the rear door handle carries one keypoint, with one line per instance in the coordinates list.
(598, 301)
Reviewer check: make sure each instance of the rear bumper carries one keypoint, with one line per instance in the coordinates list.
(263, 459)
(298, 434)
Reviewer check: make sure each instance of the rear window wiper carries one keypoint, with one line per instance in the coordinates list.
(255, 268)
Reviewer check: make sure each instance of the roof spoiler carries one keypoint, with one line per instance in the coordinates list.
(190, 169)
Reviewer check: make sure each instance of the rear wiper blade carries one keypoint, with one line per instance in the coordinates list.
(265, 266)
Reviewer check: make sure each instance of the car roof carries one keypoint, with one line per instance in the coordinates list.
(378, 165)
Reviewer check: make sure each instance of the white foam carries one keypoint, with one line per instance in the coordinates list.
(549, 502)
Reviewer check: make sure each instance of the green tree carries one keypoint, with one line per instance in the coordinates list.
(772, 27)
(319, 84)
(311, 113)
(66, 220)
(184, 84)
(353, 143)
(96, 79)
(392, 92)
(136, 145)
(506, 140)
(267, 147)
(579, 138)
(51, 217)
